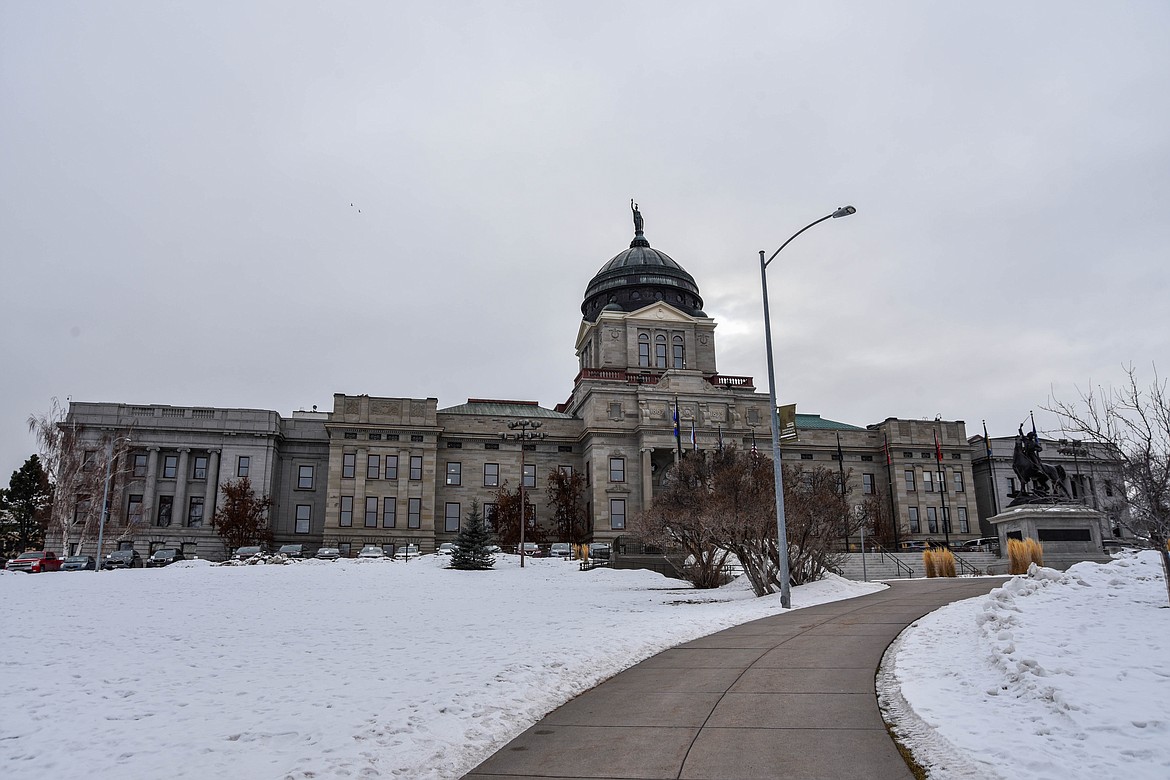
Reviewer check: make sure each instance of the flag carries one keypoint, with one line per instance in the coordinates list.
(676, 418)
(886, 447)
(755, 452)
(694, 443)
(986, 439)
(937, 449)
(840, 455)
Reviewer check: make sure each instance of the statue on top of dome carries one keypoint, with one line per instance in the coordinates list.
(637, 217)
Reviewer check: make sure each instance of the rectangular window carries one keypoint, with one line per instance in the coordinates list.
(564, 448)
(909, 480)
(195, 512)
(529, 475)
(1108, 488)
(566, 470)
(348, 465)
(915, 527)
(808, 456)
(454, 473)
(139, 460)
(200, 469)
(588, 473)
(166, 506)
(88, 459)
(454, 445)
(345, 519)
(907, 454)
(416, 437)
(414, 513)
(491, 475)
(81, 509)
(416, 467)
(491, 445)
(451, 522)
(928, 481)
(371, 517)
(243, 463)
(617, 513)
(170, 466)
(932, 520)
(1011, 486)
(617, 469)
(134, 509)
(958, 481)
(375, 437)
(304, 518)
(304, 478)
(373, 466)
(391, 467)
(389, 512)
(946, 519)
(867, 484)
(964, 526)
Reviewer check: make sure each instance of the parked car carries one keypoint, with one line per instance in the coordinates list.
(531, 549)
(244, 553)
(406, 551)
(493, 548)
(912, 546)
(78, 563)
(34, 562)
(986, 544)
(292, 550)
(560, 550)
(328, 554)
(165, 557)
(446, 548)
(372, 552)
(123, 559)
(599, 550)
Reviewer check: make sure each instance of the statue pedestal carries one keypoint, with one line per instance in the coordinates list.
(1069, 533)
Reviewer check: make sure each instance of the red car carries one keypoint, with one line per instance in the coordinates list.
(35, 561)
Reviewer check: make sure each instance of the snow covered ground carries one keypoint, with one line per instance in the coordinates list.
(323, 669)
(1055, 675)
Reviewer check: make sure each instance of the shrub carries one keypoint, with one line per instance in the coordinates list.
(928, 563)
(1022, 553)
(1035, 551)
(944, 563)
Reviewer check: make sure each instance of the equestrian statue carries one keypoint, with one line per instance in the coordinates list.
(1030, 469)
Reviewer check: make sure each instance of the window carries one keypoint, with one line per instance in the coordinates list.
(1011, 486)
(806, 456)
(643, 350)
(491, 475)
(389, 512)
(566, 470)
(660, 351)
(89, 458)
(680, 353)
(350, 435)
(909, 480)
(304, 518)
(867, 484)
(946, 518)
(414, 513)
(564, 448)
(166, 505)
(416, 467)
(1108, 488)
(195, 512)
(373, 466)
(528, 447)
(454, 445)
(81, 509)
(868, 458)
(139, 463)
(529, 475)
(588, 473)
(391, 467)
(617, 513)
(907, 454)
(200, 469)
(170, 466)
(928, 481)
(451, 515)
(454, 473)
(371, 517)
(392, 437)
(491, 445)
(243, 463)
(915, 527)
(416, 437)
(304, 478)
(964, 526)
(134, 509)
(374, 437)
(345, 520)
(617, 469)
(958, 481)
(348, 465)
(932, 520)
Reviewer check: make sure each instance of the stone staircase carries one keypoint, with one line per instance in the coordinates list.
(881, 566)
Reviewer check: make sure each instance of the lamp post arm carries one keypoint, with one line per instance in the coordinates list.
(794, 235)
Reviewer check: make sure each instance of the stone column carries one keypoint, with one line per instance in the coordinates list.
(647, 478)
(179, 510)
(148, 493)
(212, 488)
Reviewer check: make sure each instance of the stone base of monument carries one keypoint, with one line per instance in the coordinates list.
(1068, 533)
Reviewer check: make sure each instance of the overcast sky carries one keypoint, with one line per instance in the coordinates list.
(176, 182)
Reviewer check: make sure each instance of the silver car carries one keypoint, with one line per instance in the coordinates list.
(328, 554)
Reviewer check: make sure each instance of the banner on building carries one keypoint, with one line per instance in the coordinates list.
(787, 422)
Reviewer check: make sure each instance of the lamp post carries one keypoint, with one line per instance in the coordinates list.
(97, 566)
(524, 435)
(1076, 448)
(781, 530)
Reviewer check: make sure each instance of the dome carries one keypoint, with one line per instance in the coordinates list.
(638, 277)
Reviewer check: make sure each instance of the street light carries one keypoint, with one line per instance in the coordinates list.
(781, 530)
(523, 436)
(97, 566)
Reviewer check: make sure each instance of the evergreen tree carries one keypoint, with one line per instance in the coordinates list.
(24, 509)
(471, 548)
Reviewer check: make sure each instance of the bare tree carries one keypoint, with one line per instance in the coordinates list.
(506, 517)
(566, 491)
(242, 518)
(1133, 423)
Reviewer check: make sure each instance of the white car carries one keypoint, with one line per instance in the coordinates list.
(328, 554)
(406, 551)
(446, 548)
(372, 551)
(560, 550)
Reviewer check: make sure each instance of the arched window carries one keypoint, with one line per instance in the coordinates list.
(643, 350)
(660, 351)
(680, 353)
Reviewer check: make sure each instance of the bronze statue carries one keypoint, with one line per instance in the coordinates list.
(637, 217)
(1029, 467)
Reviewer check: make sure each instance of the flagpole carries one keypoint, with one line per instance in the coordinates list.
(890, 482)
(677, 434)
(991, 462)
(942, 475)
(841, 469)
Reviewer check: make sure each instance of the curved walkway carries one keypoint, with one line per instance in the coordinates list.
(788, 696)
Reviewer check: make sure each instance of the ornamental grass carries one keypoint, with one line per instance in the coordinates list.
(928, 563)
(1022, 553)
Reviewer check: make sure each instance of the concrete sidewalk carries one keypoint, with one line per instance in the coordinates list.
(789, 696)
